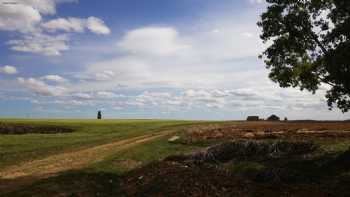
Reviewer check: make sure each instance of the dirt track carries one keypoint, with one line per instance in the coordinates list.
(52, 165)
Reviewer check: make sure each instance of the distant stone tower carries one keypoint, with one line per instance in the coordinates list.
(99, 115)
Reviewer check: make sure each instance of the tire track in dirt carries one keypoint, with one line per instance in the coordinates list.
(54, 164)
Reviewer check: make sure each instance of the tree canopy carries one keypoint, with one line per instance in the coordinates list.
(309, 46)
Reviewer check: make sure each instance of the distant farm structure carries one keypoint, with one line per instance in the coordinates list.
(253, 118)
(273, 117)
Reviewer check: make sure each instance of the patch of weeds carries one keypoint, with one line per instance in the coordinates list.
(334, 146)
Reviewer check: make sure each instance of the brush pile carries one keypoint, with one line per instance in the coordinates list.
(241, 149)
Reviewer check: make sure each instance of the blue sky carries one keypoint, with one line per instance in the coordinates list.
(176, 59)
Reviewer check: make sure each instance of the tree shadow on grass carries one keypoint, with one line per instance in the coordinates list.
(70, 184)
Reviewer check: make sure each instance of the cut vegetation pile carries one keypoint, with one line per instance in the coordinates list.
(167, 178)
(175, 179)
(20, 129)
(247, 149)
(242, 168)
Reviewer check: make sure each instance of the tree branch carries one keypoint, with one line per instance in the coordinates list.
(315, 38)
(318, 42)
(324, 81)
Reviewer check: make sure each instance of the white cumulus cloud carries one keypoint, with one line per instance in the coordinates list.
(41, 88)
(18, 17)
(84, 96)
(23, 15)
(41, 44)
(97, 26)
(36, 36)
(9, 70)
(54, 78)
(156, 41)
(71, 24)
(107, 95)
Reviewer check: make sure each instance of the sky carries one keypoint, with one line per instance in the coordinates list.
(169, 59)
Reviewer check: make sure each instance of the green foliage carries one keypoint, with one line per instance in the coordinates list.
(310, 46)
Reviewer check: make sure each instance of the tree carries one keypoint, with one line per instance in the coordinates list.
(99, 115)
(310, 46)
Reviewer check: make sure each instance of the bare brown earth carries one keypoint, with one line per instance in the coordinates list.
(269, 130)
(29, 172)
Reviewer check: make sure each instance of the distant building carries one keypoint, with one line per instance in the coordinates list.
(273, 117)
(253, 118)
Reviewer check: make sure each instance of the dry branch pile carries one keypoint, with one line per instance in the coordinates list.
(247, 149)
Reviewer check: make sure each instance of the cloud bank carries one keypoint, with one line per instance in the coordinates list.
(36, 35)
